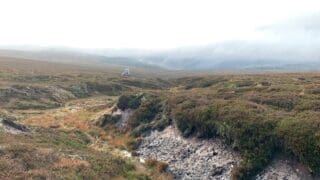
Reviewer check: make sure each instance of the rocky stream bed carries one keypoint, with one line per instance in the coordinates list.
(192, 158)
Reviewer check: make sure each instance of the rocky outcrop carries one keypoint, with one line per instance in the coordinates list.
(13, 127)
(189, 158)
(118, 117)
(285, 169)
(192, 158)
(125, 115)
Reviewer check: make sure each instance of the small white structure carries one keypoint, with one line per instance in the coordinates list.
(126, 72)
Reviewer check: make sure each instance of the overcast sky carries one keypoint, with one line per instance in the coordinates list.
(156, 24)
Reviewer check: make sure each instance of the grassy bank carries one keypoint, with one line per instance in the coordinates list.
(258, 115)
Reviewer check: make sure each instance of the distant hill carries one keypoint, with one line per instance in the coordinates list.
(71, 56)
(235, 55)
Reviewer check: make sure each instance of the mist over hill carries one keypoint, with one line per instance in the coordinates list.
(233, 55)
(222, 41)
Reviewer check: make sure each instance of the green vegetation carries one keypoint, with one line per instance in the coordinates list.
(198, 82)
(55, 103)
(241, 124)
(129, 101)
(150, 115)
(300, 137)
(146, 112)
(257, 120)
(59, 154)
(258, 115)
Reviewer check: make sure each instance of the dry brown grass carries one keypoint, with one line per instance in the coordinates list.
(65, 163)
(78, 115)
(158, 169)
(77, 120)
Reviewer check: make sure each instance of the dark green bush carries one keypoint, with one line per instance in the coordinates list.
(160, 121)
(146, 112)
(129, 101)
(300, 136)
(257, 144)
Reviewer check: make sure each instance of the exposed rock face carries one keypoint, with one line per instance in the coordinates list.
(12, 127)
(189, 158)
(125, 115)
(285, 170)
(119, 118)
